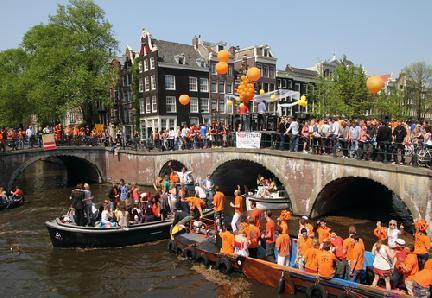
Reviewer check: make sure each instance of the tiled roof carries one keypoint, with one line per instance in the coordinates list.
(302, 71)
(168, 50)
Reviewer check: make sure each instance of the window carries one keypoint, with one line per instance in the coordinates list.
(214, 87)
(221, 87)
(171, 123)
(145, 64)
(271, 87)
(147, 84)
(271, 72)
(265, 71)
(230, 70)
(194, 120)
(142, 106)
(213, 68)
(205, 105)
(170, 102)
(148, 105)
(229, 109)
(229, 88)
(284, 84)
(194, 105)
(290, 85)
(204, 85)
(154, 104)
(170, 82)
(297, 87)
(221, 106)
(163, 124)
(213, 106)
(153, 82)
(193, 84)
(279, 83)
(140, 67)
(152, 64)
(141, 85)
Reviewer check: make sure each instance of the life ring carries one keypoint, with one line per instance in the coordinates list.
(202, 258)
(281, 285)
(172, 247)
(224, 265)
(316, 290)
(189, 253)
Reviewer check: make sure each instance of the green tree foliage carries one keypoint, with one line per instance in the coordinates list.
(391, 104)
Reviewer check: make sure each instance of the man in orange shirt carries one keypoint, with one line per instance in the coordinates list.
(255, 214)
(380, 232)
(228, 240)
(337, 247)
(358, 261)
(218, 202)
(311, 254)
(269, 236)
(304, 242)
(323, 231)
(422, 244)
(283, 227)
(252, 236)
(405, 269)
(326, 261)
(238, 209)
(283, 245)
(419, 284)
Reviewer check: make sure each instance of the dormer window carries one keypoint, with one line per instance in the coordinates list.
(180, 59)
(220, 47)
(200, 62)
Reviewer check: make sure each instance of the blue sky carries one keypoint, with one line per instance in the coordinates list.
(383, 35)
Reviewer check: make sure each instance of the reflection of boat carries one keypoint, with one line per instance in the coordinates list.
(277, 200)
(11, 203)
(69, 235)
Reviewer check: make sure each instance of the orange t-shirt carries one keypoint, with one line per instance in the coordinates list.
(284, 227)
(423, 278)
(348, 246)
(270, 228)
(358, 253)
(411, 265)
(338, 244)
(380, 233)
(303, 245)
(421, 243)
(174, 178)
(326, 261)
(323, 234)
(252, 234)
(196, 202)
(218, 201)
(256, 214)
(228, 240)
(283, 243)
(238, 201)
(311, 255)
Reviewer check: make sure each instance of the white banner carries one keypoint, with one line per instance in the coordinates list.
(250, 140)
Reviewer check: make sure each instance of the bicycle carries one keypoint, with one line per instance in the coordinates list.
(424, 156)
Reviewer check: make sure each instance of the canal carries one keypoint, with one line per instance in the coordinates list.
(29, 265)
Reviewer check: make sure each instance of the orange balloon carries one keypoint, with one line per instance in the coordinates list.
(223, 56)
(222, 68)
(254, 74)
(375, 84)
(184, 99)
(243, 78)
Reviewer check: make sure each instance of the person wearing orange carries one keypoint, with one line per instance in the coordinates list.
(3, 140)
(283, 246)
(255, 214)
(380, 232)
(418, 284)
(358, 262)
(218, 202)
(76, 132)
(174, 178)
(196, 206)
(337, 247)
(326, 261)
(304, 223)
(422, 242)
(238, 209)
(57, 132)
(228, 241)
(405, 269)
(310, 256)
(269, 236)
(304, 242)
(252, 236)
(323, 231)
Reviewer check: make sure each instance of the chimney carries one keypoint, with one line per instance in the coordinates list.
(195, 42)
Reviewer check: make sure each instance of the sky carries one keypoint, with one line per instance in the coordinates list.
(382, 35)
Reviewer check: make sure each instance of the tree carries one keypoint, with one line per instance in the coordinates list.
(68, 65)
(419, 87)
(390, 104)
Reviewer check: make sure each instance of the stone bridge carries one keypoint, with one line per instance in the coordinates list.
(314, 183)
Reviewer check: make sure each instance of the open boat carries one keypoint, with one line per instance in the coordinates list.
(68, 235)
(278, 200)
(11, 203)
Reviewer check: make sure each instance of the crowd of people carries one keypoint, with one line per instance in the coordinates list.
(7, 199)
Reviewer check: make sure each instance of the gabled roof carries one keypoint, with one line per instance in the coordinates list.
(167, 51)
(301, 71)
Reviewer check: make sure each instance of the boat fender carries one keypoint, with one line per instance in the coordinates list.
(224, 265)
(316, 290)
(240, 261)
(281, 285)
(189, 253)
(202, 258)
(172, 247)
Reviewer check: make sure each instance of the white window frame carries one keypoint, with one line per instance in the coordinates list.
(223, 89)
(205, 108)
(141, 85)
(229, 87)
(153, 82)
(145, 64)
(152, 63)
(221, 104)
(142, 106)
(173, 86)
(146, 84)
(216, 89)
(148, 105)
(154, 104)
(295, 87)
(173, 103)
(194, 105)
(202, 85)
(290, 84)
(193, 84)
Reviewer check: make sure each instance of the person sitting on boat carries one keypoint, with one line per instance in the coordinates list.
(304, 242)
(393, 233)
(271, 187)
(382, 263)
(283, 246)
(228, 241)
(357, 264)
(107, 216)
(241, 242)
(136, 214)
(253, 236)
(3, 198)
(238, 209)
(304, 224)
(155, 206)
(323, 231)
(380, 232)
(148, 212)
(17, 194)
(419, 284)
(406, 264)
(326, 261)
(310, 257)
(121, 214)
(269, 236)
(219, 202)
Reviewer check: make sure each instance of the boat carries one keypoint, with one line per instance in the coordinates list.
(65, 234)
(277, 200)
(203, 248)
(11, 203)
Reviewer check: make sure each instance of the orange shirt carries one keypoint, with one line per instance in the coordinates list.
(238, 201)
(303, 245)
(284, 227)
(256, 214)
(338, 244)
(174, 178)
(421, 243)
(311, 255)
(326, 264)
(348, 246)
(270, 229)
(283, 243)
(380, 233)
(423, 278)
(358, 252)
(228, 240)
(323, 234)
(196, 202)
(218, 201)
(411, 265)
(252, 234)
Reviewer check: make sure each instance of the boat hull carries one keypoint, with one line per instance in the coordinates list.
(266, 204)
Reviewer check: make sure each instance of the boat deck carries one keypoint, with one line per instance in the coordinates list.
(203, 243)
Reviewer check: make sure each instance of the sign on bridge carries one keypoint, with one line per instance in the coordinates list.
(249, 140)
(49, 142)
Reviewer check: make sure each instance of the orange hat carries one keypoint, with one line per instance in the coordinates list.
(428, 264)
(285, 215)
(421, 225)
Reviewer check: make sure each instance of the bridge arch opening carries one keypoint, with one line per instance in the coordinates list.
(361, 198)
(171, 165)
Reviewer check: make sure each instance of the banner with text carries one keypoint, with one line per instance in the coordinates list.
(49, 142)
(251, 140)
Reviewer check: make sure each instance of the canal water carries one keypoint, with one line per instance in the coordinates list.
(30, 266)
